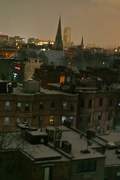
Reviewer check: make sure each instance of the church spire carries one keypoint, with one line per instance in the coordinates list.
(58, 45)
(82, 44)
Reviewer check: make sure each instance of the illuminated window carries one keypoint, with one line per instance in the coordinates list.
(17, 121)
(63, 119)
(6, 122)
(47, 173)
(7, 106)
(18, 106)
(51, 121)
(64, 105)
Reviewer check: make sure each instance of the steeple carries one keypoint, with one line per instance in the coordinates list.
(82, 44)
(58, 45)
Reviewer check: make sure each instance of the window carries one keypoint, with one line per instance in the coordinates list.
(81, 117)
(110, 102)
(52, 105)
(6, 122)
(47, 173)
(88, 118)
(90, 103)
(86, 166)
(40, 120)
(82, 103)
(41, 105)
(17, 121)
(65, 105)
(99, 115)
(100, 101)
(63, 119)
(71, 118)
(27, 107)
(7, 105)
(72, 107)
(18, 106)
(109, 115)
(51, 121)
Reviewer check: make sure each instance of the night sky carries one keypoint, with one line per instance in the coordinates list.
(98, 21)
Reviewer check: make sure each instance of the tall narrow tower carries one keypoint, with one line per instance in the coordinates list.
(67, 37)
(58, 45)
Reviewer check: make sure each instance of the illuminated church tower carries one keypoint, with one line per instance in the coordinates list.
(58, 45)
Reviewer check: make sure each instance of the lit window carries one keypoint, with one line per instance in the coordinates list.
(63, 119)
(7, 106)
(18, 106)
(6, 122)
(65, 105)
(51, 120)
(47, 173)
(17, 121)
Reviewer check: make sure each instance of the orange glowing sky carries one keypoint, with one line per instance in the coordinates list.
(96, 20)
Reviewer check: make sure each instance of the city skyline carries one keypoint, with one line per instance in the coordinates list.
(95, 20)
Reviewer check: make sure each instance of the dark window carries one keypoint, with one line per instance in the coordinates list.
(109, 115)
(41, 105)
(90, 103)
(52, 105)
(40, 120)
(99, 115)
(82, 103)
(27, 107)
(86, 166)
(100, 101)
(88, 118)
(72, 108)
(81, 117)
(110, 102)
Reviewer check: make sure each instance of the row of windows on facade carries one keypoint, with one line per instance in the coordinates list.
(90, 102)
(40, 120)
(88, 116)
(41, 106)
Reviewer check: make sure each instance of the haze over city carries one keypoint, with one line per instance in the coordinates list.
(95, 20)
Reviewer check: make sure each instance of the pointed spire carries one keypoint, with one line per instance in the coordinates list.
(58, 45)
(82, 44)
